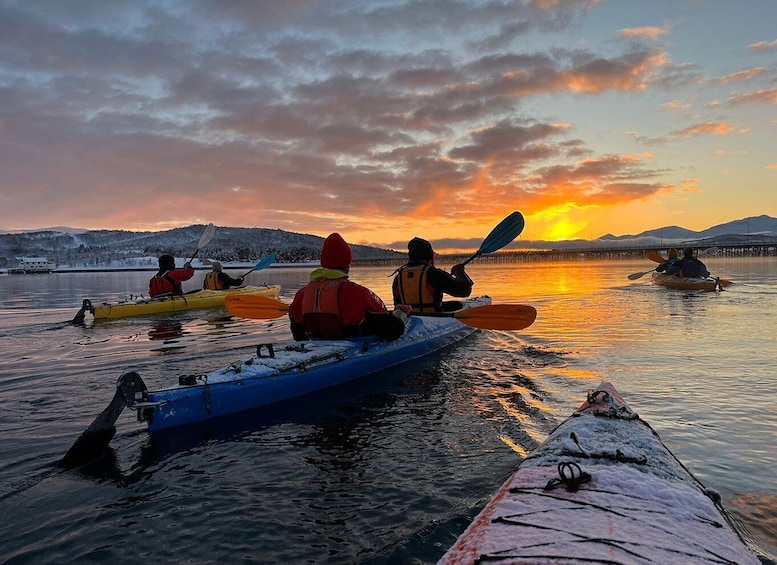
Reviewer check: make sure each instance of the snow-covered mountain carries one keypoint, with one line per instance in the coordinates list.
(756, 225)
(101, 248)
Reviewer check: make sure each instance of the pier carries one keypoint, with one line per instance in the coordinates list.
(765, 248)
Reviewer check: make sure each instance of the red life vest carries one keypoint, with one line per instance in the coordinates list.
(163, 285)
(213, 281)
(321, 308)
(412, 288)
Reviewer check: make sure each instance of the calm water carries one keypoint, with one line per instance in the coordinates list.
(386, 470)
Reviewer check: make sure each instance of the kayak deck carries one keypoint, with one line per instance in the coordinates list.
(602, 488)
(281, 371)
(191, 301)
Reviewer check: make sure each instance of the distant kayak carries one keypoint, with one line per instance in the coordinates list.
(682, 283)
(602, 488)
(190, 301)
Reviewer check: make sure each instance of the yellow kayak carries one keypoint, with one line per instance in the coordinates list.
(190, 301)
(682, 283)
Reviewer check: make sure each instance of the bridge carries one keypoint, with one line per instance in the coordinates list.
(760, 248)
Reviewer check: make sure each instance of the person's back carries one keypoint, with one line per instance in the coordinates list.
(167, 281)
(691, 267)
(330, 306)
(421, 286)
(672, 265)
(217, 279)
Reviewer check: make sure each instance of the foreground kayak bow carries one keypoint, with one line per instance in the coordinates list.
(602, 488)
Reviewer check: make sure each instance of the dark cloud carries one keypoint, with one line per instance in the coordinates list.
(139, 112)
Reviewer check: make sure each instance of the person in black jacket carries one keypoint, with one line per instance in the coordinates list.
(672, 265)
(421, 285)
(217, 279)
(691, 267)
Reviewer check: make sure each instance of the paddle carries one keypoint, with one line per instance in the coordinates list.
(266, 262)
(207, 235)
(653, 256)
(490, 317)
(505, 232)
(635, 276)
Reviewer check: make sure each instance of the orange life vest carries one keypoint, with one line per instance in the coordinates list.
(412, 288)
(321, 308)
(162, 285)
(213, 281)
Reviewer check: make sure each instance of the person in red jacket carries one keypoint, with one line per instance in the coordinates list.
(167, 281)
(421, 285)
(331, 306)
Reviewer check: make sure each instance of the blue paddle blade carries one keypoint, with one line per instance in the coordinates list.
(505, 232)
(266, 262)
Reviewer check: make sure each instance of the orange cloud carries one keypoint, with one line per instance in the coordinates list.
(675, 105)
(631, 73)
(768, 96)
(763, 45)
(651, 32)
(712, 128)
(741, 75)
(689, 186)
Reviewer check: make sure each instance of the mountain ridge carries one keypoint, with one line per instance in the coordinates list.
(98, 248)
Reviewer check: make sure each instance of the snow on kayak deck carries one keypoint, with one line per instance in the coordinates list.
(634, 503)
(305, 354)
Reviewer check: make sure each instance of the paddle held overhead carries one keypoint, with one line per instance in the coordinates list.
(505, 232)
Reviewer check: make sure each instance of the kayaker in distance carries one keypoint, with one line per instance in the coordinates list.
(219, 280)
(672, 265)
(167, 281)
(691, 267)
(421, 285)
(331, 306)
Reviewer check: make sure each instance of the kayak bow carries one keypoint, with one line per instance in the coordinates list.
(602, 488)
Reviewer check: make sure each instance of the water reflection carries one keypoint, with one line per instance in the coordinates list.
(166, 330)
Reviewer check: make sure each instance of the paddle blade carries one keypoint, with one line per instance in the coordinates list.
(505, 232)
(498, 316)
(255, 307)
(207, 235)
(635, 276)
(264, 263)
(653, 256)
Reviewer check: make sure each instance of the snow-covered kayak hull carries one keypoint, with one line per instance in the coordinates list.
(602, 488)
(279, 372)
(681, 283)
(192, 301)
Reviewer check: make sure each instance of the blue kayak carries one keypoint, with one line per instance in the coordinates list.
(276, 372)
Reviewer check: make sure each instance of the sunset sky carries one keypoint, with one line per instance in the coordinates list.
(383, 119)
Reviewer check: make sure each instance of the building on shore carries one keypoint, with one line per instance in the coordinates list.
(27, 265)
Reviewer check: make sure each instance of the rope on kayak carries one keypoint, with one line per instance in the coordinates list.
(618, 456)
(191, 380)
(570, 475)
